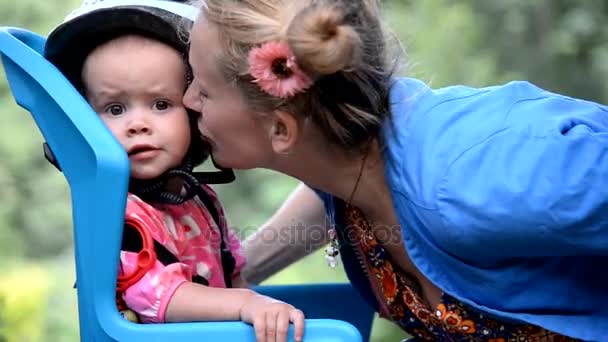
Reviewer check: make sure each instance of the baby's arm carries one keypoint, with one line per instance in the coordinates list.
(270, 317)
(165, 294)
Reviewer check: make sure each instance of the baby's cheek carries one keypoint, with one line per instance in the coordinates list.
(116, 128)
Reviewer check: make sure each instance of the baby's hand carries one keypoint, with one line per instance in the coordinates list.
(271, 317)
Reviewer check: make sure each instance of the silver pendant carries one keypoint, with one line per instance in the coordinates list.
(333, 249)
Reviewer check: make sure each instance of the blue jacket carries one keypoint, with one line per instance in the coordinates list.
(502, 197)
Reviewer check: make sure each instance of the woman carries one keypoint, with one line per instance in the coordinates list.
(459, 213)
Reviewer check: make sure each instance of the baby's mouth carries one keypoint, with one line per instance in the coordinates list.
(138, 149)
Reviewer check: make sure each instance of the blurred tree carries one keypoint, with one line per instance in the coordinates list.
(562, 45)
(34, 218)
(35, 222)
(442, 43)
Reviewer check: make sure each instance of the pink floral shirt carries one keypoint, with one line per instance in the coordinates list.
(190, 233)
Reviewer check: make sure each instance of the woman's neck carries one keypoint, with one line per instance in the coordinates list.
(356, 179)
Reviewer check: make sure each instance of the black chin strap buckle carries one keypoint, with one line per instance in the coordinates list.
(224, 176)
(50, 157)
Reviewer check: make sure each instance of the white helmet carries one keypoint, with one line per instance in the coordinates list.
(98, 21)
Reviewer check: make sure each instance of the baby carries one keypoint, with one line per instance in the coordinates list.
(128, 60)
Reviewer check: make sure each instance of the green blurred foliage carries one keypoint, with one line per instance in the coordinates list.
(561, 45)
(23, 303)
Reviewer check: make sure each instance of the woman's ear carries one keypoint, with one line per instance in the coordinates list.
(283, 132)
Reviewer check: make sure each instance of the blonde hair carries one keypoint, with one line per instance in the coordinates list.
(340, 44)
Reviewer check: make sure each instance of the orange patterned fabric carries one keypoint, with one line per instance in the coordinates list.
(400, 300)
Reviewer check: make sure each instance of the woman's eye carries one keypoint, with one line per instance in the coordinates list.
(161, 105)
(115, 109)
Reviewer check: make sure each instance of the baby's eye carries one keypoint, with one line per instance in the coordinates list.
(115, 109)
(161, 105)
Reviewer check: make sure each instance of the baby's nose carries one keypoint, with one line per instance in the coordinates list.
(138, 127)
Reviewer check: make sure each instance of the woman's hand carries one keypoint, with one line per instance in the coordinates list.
(271, 318)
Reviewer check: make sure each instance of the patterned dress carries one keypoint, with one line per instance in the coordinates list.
(401, 301)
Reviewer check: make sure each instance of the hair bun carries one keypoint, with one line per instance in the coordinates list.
(321, 42)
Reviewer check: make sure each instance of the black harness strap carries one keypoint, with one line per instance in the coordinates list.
(228, 261)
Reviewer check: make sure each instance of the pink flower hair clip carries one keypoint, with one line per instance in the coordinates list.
(273, 67)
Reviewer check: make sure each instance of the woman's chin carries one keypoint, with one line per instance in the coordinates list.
(232, 160)
(222, 164)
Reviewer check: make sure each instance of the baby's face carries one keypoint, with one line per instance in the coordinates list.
(136, 85)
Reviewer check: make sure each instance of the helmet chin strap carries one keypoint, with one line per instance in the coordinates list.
(158, 190)
(223, 176)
